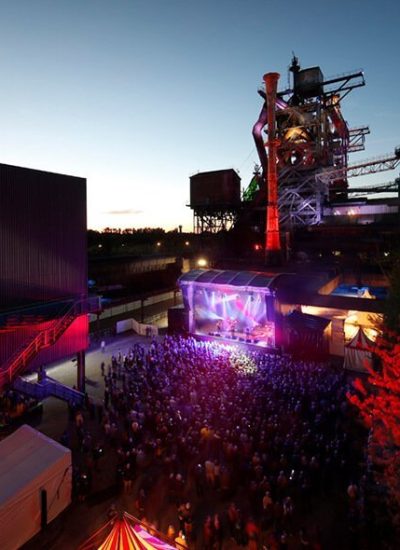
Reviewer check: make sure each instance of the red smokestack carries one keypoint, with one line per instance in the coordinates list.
(272, 238)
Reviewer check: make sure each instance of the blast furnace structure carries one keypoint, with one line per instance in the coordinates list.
(312, 143)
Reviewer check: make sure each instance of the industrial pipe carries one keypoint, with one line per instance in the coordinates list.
(258, 138)
(259, 126)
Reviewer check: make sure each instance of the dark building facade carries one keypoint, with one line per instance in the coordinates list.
(42, 236)
(43, 265)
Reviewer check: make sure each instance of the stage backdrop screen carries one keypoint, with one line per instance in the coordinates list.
(232, 314)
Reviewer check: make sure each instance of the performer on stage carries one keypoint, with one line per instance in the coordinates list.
(232, 326)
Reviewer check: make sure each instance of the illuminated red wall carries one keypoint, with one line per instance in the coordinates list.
(74, 339)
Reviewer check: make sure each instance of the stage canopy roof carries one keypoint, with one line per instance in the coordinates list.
(236, 279)
(304, 321)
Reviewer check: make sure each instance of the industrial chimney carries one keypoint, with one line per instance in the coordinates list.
(272, 237)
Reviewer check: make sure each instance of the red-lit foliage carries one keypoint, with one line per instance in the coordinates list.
(378, 401)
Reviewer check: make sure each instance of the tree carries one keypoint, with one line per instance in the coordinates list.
(378, 401)
(378, 398)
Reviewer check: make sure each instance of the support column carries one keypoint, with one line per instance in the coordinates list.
(142, 310)
(190, 296)
(337, 340)
(80, 356)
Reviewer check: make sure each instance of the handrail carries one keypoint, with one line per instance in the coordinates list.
(45, 338)
(63, 392)
(48, 386)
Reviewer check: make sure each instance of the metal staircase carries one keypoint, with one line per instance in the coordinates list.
(46, 387)
(11, 368)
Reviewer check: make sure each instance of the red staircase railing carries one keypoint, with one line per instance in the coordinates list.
(45, 338)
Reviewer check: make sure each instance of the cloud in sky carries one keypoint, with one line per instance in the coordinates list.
(126, 212)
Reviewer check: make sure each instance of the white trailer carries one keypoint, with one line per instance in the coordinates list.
(35, 484)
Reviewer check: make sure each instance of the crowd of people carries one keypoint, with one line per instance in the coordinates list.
(259, 438)
(14, 406)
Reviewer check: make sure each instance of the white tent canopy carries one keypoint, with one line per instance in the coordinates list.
(357, 353)
(365, 293)
(31, 463)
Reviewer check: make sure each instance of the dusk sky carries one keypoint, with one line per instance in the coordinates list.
(137, 95)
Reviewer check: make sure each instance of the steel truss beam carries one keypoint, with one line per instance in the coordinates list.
(302, 195)
(357, 138)
(301, 199)
(371, 166)
(213, 221)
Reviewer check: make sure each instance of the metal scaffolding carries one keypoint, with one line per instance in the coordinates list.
(303, 196)
(214, 220)
(363, 168)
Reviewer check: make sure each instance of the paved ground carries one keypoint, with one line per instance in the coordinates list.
(84, 518)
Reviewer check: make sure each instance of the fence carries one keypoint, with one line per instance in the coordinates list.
(140, 328)
(135, 305)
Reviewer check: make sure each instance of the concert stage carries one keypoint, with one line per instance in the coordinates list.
(261, 338)
(238, 343)
(230, 306)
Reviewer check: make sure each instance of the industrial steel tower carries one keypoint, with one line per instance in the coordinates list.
(303, 142)
(313, 138)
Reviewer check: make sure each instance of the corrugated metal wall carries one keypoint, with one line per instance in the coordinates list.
(43, 257)
(43, 253)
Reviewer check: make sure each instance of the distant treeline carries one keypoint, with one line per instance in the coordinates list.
(147, 240)
(133, 231)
